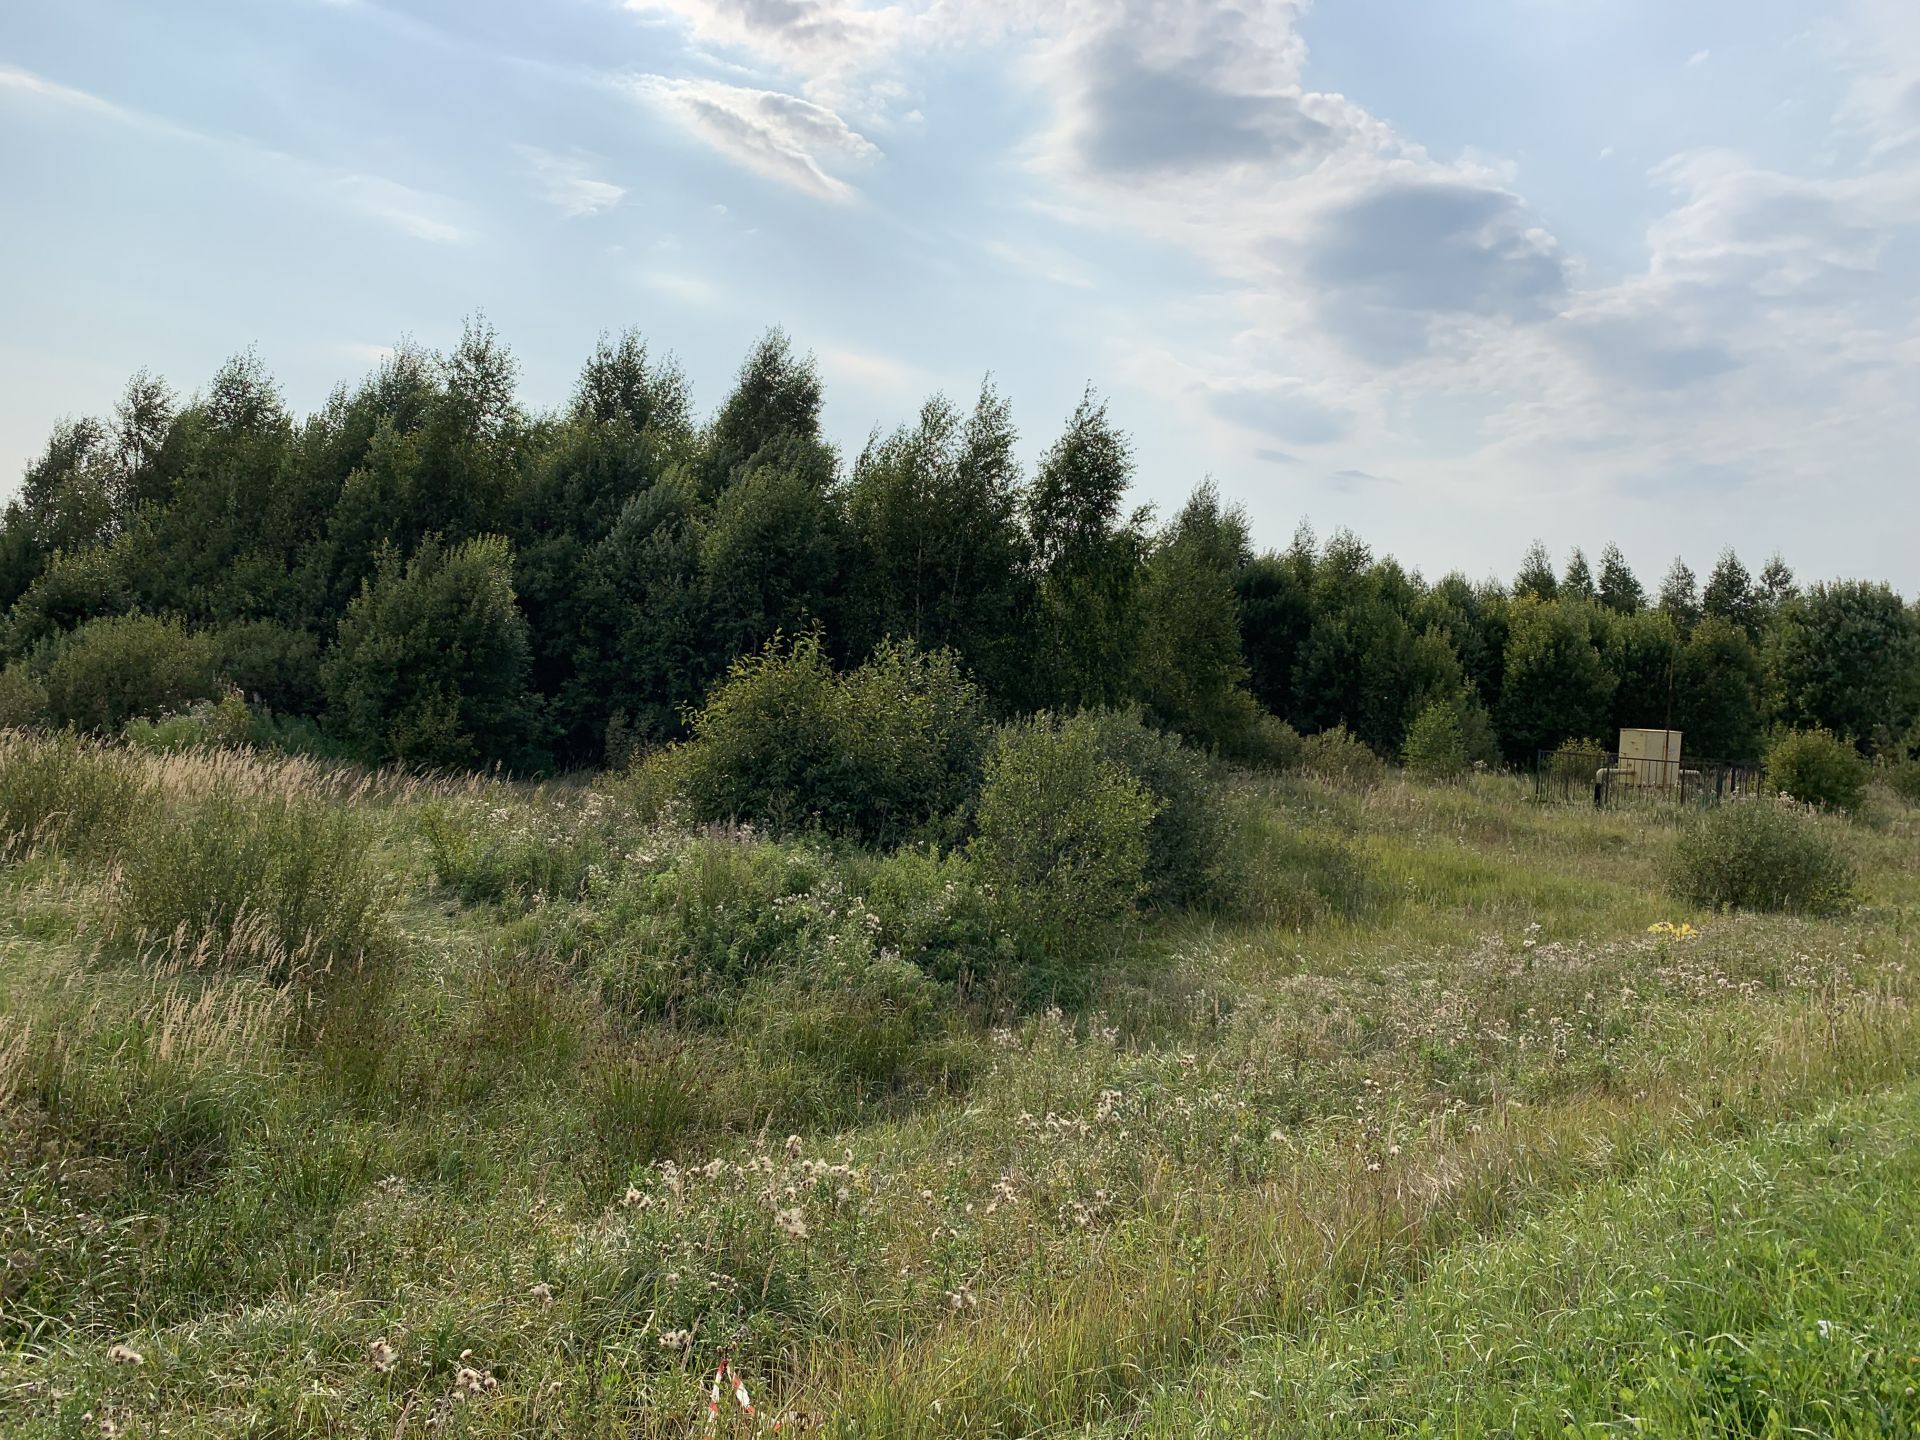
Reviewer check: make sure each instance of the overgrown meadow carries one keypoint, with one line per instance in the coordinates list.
(337, 1102)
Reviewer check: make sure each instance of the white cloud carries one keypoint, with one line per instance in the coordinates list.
(783, 137)
(1698, 58)
(688, 289)
(567, 183)
(883, 376)
(413, 212)
(805, 34)
(363, 352)
(1042, 262)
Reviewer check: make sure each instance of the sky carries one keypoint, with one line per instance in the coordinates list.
(1455, 276)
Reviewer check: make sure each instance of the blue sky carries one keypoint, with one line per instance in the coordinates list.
(1455, 275)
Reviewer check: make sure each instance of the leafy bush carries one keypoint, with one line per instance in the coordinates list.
(677, 931)
(1816, 767)
(77, 586)
(887, 752)
(1187, 839)
(67, 793)
(524, 855)
(1342, 757)
(934, 914)
(431, 662)
(272, 663)
(23, 698)
(296, 735)
(217, 723)
(1436, 743)
(1270, 743)
(108, 671)
(1061, 843)
(1760, 855)
(1577, 762)
(284, 881)
(1903, 778)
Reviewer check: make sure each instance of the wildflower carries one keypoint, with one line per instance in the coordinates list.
(632, 1198)
(961, 1297)
(793, 1147)
(792, 1223)
(381, 1355)
(469, 1381)
(542, 1294)
(126, 1355)
(675, 1339)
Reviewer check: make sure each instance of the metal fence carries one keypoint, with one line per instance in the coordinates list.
(1604, 777)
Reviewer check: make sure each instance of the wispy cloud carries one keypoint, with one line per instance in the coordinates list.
(411, 212)
(567, 182)
(782, 137)
(692, 290)
(1042, 262)
(417, 213)
(881, 375)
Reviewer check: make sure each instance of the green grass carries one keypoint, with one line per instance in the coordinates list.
(1756, 1287)
(535, 1104)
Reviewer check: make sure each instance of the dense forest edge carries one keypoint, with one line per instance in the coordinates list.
(504, 917)
(427, 572)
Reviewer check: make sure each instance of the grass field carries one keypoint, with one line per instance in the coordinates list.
(345, 1105)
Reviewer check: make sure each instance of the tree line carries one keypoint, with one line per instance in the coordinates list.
(427, 571)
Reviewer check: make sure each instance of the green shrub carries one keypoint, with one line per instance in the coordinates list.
(296, 735)
(1477, 733)
(1436, 743)
(520, 854)
(886, 753)
(67, 793)
(23, 698)
(77, 586)
(1903, 778)
(1578, 762)
(1340, 756)
(108, 671)
(1760, 855)
(1187, 840)
(1270, 743)
(284, 881)
(1061, 844)
(224, 722)
(678, 932)
(1817, 767)
(273, 664)
(431, 661)
(934, 914)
